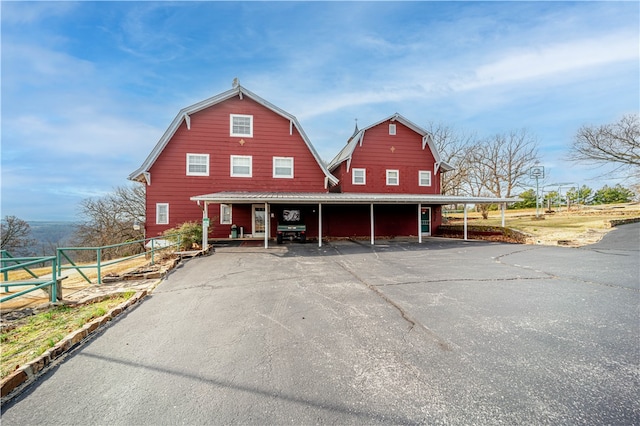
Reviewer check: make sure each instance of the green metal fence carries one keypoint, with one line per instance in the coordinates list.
(5, 274)
(49, 284)
(156, 244)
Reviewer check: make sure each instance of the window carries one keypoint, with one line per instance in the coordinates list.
(197, 164)
(162, 214)
(225, 214)
(282, 167)
(393, 177)
(392, 129)
(241, 165)
(424, 178)
(241, 125)
(359, 176)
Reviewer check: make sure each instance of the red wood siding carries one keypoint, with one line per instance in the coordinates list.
(209, 134)
(380, 151)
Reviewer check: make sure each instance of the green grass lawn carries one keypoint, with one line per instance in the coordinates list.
(36, 334)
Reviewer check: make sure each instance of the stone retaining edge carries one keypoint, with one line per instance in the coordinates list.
(27, 373)
(616, 222)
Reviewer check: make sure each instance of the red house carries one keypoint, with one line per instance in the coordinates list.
(235, 141)
(240, 164)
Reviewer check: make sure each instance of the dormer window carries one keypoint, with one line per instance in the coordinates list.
(241, 125)
(392, 129)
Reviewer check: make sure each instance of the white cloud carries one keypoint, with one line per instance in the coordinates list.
(28, 12)
(554, 60)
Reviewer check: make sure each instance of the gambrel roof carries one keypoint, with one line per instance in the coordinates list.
(142, 173)
(358, 137)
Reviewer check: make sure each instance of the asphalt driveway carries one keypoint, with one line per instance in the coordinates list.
(445, 332)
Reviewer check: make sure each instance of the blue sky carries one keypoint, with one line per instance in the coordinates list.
(88, 88)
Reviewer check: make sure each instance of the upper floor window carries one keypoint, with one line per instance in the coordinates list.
(424, 178)
(162, 213)
(197, 164)
(359, 176)
(282, 167)
(241, 166)
(225, 214)
(393, 177)
(241, 125)
(392, 129)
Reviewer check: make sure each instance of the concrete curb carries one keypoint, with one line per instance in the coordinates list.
(28, 373)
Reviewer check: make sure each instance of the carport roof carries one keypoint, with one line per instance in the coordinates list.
(342, 198)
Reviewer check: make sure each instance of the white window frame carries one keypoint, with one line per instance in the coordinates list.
(241, 135)
(250, 174)
(392, 129)
(158, 207)
(397, 178)
(353, 176)
(229, 220)
(192, 156)
(287, 176)
(422, 173)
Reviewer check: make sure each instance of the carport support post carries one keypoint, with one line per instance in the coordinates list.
(205, 227)
(419, 223)
(267, 225)
(464, 206)
(503, 207)
(319, 224)
(372, 237)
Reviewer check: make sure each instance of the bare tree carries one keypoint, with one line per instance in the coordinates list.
(504, 161)
(453, 146)
(15, 236)
(109, 220)
(617, 143)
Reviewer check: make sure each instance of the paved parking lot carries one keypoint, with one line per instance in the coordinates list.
(446, 332)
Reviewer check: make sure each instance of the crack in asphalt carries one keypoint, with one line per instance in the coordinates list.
(443, 344)
(498, 259)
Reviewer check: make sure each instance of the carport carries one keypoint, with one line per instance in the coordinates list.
(344, 199)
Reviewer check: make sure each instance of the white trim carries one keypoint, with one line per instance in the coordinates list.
(420, 172)
(222, 208)
(353, 176)
(343, 198)
(191, 156)
(397, 177)
(241, 135)
(233, 157)
(288, 176)
(158, 206)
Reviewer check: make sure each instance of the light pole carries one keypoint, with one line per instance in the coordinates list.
(537, 173)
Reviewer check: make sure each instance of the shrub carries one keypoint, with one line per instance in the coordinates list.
(190, 234)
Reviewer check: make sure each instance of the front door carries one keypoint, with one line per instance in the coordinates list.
(425, 220)
(258, 221)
